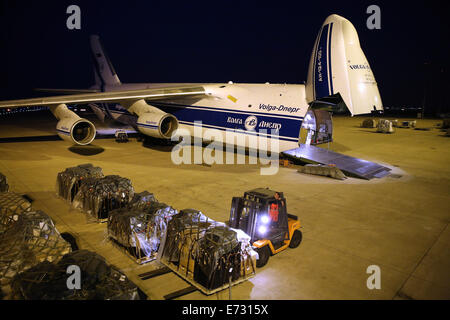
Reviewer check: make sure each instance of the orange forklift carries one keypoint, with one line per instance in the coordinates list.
(262, 214)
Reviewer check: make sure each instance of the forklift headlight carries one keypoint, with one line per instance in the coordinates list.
(262, 229)
(265, 219)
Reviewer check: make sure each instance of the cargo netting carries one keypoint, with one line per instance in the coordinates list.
(139, 230)
(98, 196)
(98, 281)
(69, 181)
(142, 200)
(11, 206)
(207, 253)
(4, 187)
(26, 240)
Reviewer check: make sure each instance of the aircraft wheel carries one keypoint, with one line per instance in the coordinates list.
(264, 254)
(296, 239)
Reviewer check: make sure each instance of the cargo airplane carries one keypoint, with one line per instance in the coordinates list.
(338, 71)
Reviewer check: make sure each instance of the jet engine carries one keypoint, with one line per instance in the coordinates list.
(157, 125)
(79, 131)
(71, 127)
(152, 121)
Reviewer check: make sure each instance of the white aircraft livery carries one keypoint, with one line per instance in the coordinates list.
(337, 68)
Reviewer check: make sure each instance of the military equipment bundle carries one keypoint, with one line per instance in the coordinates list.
(207, 253)
(69, 181)
(385, 126)
(139, 231)
(11, 206)
(142, 200)
(28, 239)
(98, 280)
(98, 196)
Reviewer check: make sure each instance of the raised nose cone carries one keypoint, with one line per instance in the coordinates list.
(338, 65)
(348, 30)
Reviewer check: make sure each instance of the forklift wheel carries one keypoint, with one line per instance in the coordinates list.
(296, 239)
(264, 254)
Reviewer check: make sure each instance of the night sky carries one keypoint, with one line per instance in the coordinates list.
(219, 41)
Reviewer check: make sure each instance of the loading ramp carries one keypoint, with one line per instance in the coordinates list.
(349, 165)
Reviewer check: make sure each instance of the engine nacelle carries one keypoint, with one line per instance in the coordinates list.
(157, 124)
(76, 130)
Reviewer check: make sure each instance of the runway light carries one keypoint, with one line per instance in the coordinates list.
(262, 229)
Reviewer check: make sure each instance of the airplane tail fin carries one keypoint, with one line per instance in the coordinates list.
(338, 66)
(105, 75)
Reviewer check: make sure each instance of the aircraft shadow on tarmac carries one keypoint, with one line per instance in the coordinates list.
(89, 150)
(156, 144)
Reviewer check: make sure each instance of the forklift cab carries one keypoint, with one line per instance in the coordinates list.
(262, 214)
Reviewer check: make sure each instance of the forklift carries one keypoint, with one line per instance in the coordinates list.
(262, 214)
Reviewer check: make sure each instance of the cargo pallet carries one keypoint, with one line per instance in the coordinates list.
(160, 272)
(126, 250)
(194, 286)
(100, 220)
(206, 291)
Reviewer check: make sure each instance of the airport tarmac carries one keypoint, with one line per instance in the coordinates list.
(399, 223)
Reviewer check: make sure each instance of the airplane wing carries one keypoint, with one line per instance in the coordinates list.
(112, 96)
(66, 91)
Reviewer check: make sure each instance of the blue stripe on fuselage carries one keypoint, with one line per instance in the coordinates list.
(321, 65)
(330, 75)
(283, 125)
(287, 127)
(264, 135)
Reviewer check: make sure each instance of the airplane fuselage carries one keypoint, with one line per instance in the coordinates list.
(263, 110)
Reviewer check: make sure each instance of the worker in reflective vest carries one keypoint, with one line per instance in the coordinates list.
(273, 212)
(274, 207)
